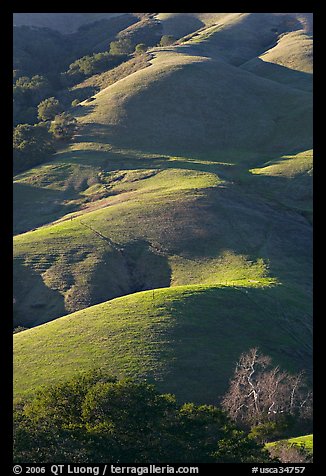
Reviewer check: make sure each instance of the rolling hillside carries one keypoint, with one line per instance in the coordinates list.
(155, 228)
(186, 339)
(188, 91)
(190, 174)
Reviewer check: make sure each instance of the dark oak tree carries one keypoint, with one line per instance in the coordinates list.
(48, 109)
(94, 418)
(63, 126)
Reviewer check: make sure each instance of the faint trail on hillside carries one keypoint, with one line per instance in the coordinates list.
(105, 238)
(136, 284)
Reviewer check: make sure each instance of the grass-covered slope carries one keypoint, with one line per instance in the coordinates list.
(288, 62)
(138, 229)
(186, 338)
(300, 441)
(192, 177)
(289, 182)
(306, 441)
(207, 104)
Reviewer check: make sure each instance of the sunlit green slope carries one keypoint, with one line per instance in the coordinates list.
(186, 338)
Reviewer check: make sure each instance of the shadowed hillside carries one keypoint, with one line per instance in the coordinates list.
(63, 22)
(188, 91)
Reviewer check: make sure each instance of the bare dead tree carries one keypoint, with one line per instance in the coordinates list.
(259, 393)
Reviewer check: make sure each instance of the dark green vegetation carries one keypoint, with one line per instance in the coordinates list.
(171, 230)
(48, 109)
(63, 126)
(47, 62)
(31, 145)
(93, 418)
(28, 92)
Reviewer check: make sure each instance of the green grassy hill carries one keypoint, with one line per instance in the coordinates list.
(154, 227)
(288, 181)
(186, 339)
(305, 441)
(191, 176)
(187, 91)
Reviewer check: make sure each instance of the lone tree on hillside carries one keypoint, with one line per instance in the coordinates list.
(48, 109)
(63, 126)
(121, 47)
(259, 393)
(167, 40)
(140, 48)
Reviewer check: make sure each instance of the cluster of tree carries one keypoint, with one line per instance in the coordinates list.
(47, 53)
(41, 91)
(34, 99)
(48, 109)
(34, 144)
(63, 126)
(121, 47)
(118, 52)
(94, 418)
(27, 94)
(47, 63)
(124, 46)
(89, 65)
